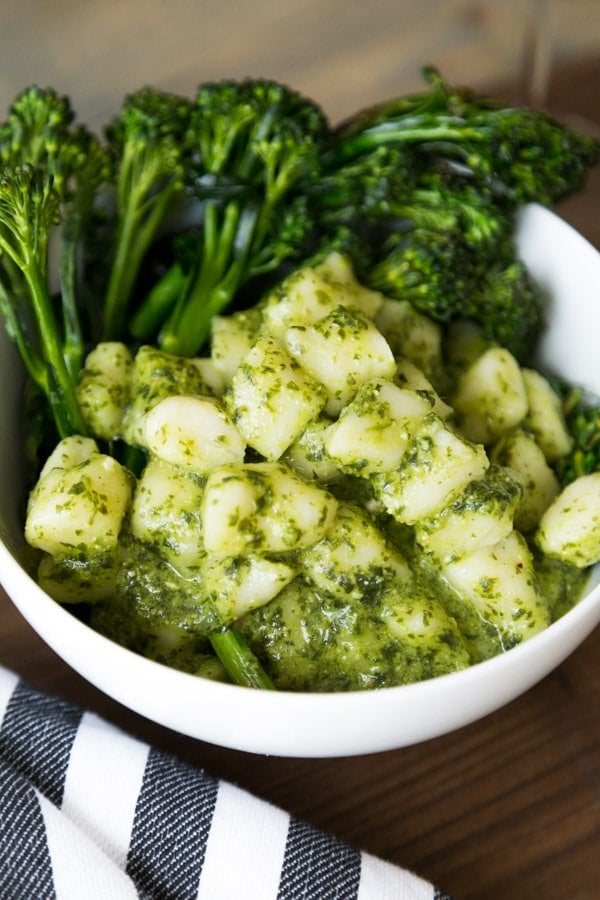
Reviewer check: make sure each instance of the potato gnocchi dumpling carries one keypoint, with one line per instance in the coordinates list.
(368, 499)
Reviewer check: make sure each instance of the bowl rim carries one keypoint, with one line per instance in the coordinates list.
(283, 713)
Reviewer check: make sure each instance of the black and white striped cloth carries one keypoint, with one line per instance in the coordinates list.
(89, 813)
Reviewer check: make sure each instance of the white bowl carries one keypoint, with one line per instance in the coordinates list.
(321, 725)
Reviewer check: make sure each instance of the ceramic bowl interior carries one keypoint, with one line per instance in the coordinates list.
(321, 725)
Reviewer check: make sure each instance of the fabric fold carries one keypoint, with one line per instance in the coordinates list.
(90, 813)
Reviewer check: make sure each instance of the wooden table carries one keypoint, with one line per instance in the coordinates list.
(503, 809)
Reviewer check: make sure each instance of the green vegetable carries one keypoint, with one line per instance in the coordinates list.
(508, 306)
(233, 651)
(147, 145)
(432, 181)
(519, 155)
(51, 170)
(445, 279)
(431, 269)
(582, 418)
(255, 145)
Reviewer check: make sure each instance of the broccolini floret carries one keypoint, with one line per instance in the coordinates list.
(430, 269)
(508, 306)
(449, 273)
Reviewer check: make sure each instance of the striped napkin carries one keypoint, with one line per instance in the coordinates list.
(89, 813)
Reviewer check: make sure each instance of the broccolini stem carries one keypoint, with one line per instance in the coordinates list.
(158, 303)
(18, 332)
(73, 347)
(134, 236)
(211, 289)
(447, 128)
(121, 279)
(58, 382)
(240, 663)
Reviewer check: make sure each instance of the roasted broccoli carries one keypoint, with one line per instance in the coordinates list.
(445, 278)
(433, 270)
(508, 306)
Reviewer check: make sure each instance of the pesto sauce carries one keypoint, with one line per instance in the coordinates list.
(309, 640)
(155, 610)
(561, 584)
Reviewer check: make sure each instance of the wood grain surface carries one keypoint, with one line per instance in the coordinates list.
(508, 807)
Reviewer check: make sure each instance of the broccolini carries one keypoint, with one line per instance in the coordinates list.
(254, 148)
(582, 417)
(440, 174)
(147, 147)
(51, 170)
